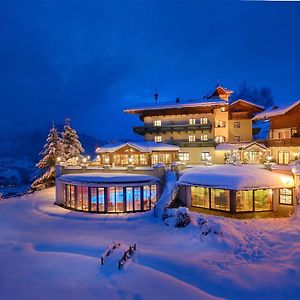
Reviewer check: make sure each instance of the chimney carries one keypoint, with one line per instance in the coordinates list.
(177, 100)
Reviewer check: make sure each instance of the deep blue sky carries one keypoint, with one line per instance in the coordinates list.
(90, 60)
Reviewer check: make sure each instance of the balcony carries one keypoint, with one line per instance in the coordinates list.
(185, 143)
(295, 141)
(169, 128)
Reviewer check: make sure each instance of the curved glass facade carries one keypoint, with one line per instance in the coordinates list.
(118, 199)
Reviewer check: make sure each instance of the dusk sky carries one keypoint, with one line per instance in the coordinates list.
(90, 60)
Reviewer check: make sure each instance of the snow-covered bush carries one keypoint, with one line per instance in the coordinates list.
(210, 226)
(177, 217)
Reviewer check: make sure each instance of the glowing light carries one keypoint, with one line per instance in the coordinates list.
(286, 180)
(77, 158)
(84, 159)
(58, 159)
(88, 157)
(98, 157)
(269, 158)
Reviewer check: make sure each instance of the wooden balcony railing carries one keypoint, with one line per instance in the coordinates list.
(295, 141)
(170, 128)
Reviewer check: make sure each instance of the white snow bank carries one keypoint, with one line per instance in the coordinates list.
(235, 177)
(108, 178)
(169, 191)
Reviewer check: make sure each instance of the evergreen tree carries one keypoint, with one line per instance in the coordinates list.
(71, 144)
(261, 96)
(51, 151)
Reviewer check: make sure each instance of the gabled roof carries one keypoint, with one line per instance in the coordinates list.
(249, 103)
(276, 112)
(238, 146)
(147, 147)
(218, 89)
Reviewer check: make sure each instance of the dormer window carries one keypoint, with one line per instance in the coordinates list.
(157, 123)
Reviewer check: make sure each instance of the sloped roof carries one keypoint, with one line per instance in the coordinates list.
(176, 105)
(219, 87)
(248, 102)
(147, 147)
(276, 112)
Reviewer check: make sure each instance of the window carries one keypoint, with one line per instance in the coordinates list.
(283, 157)
(286, 196)
(184, 156)
(192, 138)
(157, 123)
(237, 138)
(263, 200)
(111, 200)
(153, 195)
(157, 138)
(137, 198)
(203, 120)
(220, 199)
(220, 139)
(200, 197)
(101, 206)
(85, 198)
(244, 201)
(147, 197)
(192, 121)
(219, 123)
(79, 198)
(236, 124)
(205, 156)
(129, 199)
(203, 137)
(119, 199)
(94, 199)
(223, 109)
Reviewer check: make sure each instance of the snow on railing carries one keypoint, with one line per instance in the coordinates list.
(127, 254)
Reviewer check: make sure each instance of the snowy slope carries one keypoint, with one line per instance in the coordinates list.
(47, 252)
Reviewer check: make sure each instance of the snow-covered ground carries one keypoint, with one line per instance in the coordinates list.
(47, 252)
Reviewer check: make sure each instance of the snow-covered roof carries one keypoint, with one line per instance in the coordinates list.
(147, 147)
(293, 167)
(248, 102)
(170, 105)
(235, 177)
(237, 146)
(275, 112)
(107, 178)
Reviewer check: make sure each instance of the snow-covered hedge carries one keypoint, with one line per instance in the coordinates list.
(210, 226)
(177, 217)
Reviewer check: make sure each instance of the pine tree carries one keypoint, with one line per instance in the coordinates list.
(51, 151)
(71, 144)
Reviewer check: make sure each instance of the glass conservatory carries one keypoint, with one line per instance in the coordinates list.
(103, 193)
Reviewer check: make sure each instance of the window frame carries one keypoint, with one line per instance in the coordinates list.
(158, 139)
(286, 195)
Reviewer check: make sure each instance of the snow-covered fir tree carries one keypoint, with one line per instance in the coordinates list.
(71, 143)
(51, 151)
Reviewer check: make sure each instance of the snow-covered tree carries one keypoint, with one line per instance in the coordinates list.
(51, 151)
(71, 144)
(261, 96)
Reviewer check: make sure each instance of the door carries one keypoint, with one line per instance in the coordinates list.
(283, 157)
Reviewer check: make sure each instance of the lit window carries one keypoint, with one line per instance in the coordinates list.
(203, 120)
(220, 123)
(263, 200)
(157, 139)
(237, 138)
(220, 139)
(236, 124)
(244, 201)
(184, 156)
(203, 137)
(220, 199)
(205, 156)
(192, 138)
(157, 123)
(200, 197)
(286, 196)
(192, 121)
